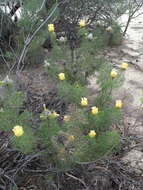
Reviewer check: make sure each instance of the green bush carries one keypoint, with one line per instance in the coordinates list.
(72, 88)
(79, 134)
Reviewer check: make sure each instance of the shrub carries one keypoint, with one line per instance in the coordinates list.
(84, 135)
(85, 132)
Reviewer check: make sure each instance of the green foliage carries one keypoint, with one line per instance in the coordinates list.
(84, 61)
(48, 129)
(12, 114)
(13, 98)
(109, 140)
(90, 149)
(25, 143)
(12, 104)
(71, 93)
(78, 119)
(10, 117)
(107, 85)
(116, 36)
(78, 57)
(53, 70)
(32, 5)
(105, 119)
(59, 53)
(69, 142)
(101, 36)
(33, 14)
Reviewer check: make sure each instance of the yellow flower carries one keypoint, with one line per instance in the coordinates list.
(53, 114)
(18, 130)
(113, 73)
(82, 23)
(84, 101)
(66, 118)
(71, 138)
(118, 104)
(62, 76)
(92, 133)
(94, 110)
(51, 28)
(124, 66)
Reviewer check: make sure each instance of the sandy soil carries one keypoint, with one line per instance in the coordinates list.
(130, 51)
(133, 49)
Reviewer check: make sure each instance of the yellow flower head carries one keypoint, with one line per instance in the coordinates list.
(94, 110)
(62, 76)
(53, 114)
(82, 23)
(66, 118)
(18, 130)
(92, 133)
(124, 66)
(118, 104)
(84, 101)
(71, 138)
(51, 27)
(113, 73)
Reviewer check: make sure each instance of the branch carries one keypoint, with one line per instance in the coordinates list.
(30, 39)
(78, 179)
